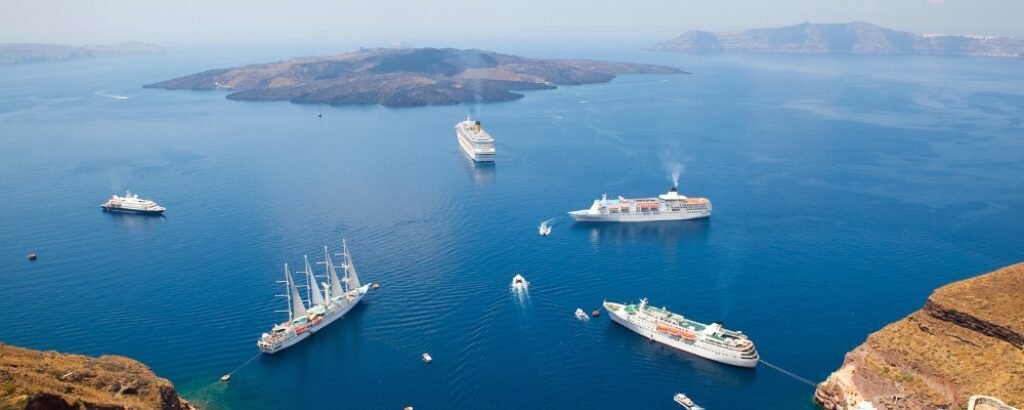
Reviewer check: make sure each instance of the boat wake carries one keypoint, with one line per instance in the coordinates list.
(520, 289)
(103, 93)
(520, 296)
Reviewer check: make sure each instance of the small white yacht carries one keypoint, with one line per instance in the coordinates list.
(686, 402)
(132, 203)
(519, 283)
(544, 229)
(581, 315)
(427, 358)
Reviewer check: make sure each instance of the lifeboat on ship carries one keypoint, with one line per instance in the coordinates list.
(685, 334)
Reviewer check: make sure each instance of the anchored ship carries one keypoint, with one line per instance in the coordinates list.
(475, 142)
(686, 402)
(132, 203)
(669, 206)
(321, 307)
(708, 341)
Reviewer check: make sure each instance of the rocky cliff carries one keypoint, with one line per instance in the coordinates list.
(842, 38)
(404, 77)
(967, 340)
(30, 379)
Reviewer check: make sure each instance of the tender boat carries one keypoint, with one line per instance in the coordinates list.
(427, 358)
(519, 283)
(686, 402)
(544, 229)
(581, 315)
(132, 203)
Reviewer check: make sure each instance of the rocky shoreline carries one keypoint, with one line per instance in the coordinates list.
(32, 379)
(967, 340)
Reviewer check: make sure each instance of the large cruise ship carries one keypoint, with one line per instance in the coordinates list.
(666, 207)
(132, 203)
(475, 142)
(321, 307)
(708, 341)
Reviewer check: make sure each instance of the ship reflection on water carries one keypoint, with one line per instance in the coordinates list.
(664, 231)
(483, 172)
(700, 368)
(135, 223)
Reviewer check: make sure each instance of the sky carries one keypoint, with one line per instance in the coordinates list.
(213, 22)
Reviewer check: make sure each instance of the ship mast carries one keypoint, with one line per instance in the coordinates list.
(295, 306)
(332, 271)
(313, 290)
(351, 280)
(287, 294)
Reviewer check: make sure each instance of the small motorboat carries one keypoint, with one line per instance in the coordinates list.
(581, 315)
(686, 402)
(226, 378)
(519, 283)
(32, 256)
(427, 358)
(544, 229)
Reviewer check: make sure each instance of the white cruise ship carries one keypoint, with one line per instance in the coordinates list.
(475, 142)
(321, 307)
(132, 203)
(708, 341)
(666, 207)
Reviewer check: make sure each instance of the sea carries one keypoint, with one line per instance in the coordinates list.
(845, 190)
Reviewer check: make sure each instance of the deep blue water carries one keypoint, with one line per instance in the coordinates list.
(845, 190)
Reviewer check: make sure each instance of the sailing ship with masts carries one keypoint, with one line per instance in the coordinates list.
(324, 303)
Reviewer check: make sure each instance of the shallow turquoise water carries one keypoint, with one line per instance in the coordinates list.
(845, 190)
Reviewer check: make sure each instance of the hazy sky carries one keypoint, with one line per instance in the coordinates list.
(185, 22)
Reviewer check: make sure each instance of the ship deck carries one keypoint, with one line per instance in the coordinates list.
(723, 336)
(672, 317)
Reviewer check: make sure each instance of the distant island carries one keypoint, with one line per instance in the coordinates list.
(19, 53)
(967, 340)
(843, 38)
(401, 77)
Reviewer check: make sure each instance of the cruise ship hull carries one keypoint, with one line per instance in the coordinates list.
(337, 314)
(133, 211)
(328, 318)
(619, 316)
(286, 344)
(587, 216)
(472, 153)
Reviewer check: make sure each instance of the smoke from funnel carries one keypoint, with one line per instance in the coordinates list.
(675, 169)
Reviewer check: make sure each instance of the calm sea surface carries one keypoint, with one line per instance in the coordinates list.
(845, 190)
